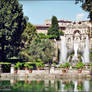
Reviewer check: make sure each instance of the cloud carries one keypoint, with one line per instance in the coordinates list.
(80, 16)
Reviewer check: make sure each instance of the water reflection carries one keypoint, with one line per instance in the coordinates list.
(46, 85)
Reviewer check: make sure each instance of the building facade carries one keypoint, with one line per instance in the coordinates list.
(73, 31)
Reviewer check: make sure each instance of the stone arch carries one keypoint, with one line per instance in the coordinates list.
(69, 39)
(77, 31)
(76, 35)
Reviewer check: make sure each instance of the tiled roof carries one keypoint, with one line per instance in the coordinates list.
(42, 25)
(45, 26)
(65, 21)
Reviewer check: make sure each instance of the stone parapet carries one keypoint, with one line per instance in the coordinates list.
(45, 74)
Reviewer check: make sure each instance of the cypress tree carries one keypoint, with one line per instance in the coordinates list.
(54, 29)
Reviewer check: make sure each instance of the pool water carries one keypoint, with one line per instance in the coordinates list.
(46, 85)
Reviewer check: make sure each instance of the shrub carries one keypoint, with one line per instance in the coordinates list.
(30, 67)
(18, 65)
(62, 66)
(26, 65)
(39, 64)
(65, 65)
(79, 65)
(54, 64)
(91, 65)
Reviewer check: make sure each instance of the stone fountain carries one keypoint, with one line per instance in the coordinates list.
(75, 57)
(76, 45)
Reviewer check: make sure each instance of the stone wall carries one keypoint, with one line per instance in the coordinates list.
(45, 74)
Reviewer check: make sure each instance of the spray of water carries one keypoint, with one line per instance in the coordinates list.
(86, 51)
(75, 49)
(63, 50)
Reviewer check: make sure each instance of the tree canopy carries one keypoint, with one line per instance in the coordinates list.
(12, 25)
(39, 49)
(28, 35)
(87, 6)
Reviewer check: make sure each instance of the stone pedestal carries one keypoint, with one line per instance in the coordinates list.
(12, 68)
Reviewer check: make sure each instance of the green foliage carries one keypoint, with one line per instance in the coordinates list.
(14, 57)
(91, 64)
(39, 64)
(4, 83)
(79, 65)
(80, 87)
(34, 86)
(68, 86)
(41, 49)
(30, 67)
(65, 65)
(17, 65)
(61, 32)
(38, 60)
(87, 6)
(36, 47)
(43, 36)
(27, 65)
(23, 54)
(91, 56)
(5, 63)
(61, 66)
(54, 29)
(54, 63)
(12, 25)
(28, 34)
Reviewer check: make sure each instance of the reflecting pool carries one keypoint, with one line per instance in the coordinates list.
(46, 85)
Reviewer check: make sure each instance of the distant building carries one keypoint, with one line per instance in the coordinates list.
(72, 30)
(44, 28)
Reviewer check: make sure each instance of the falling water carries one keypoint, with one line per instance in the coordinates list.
(75, 57)
(82, 59)
(75, 49)
(63, 50)
(86, 51)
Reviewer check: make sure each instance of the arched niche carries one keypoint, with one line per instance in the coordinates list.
(77, 35)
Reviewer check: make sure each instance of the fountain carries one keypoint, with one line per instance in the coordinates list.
(63, 50)
(77, 57)
(75, 49)
(86, 51)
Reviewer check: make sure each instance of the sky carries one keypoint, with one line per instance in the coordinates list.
(39, 10)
